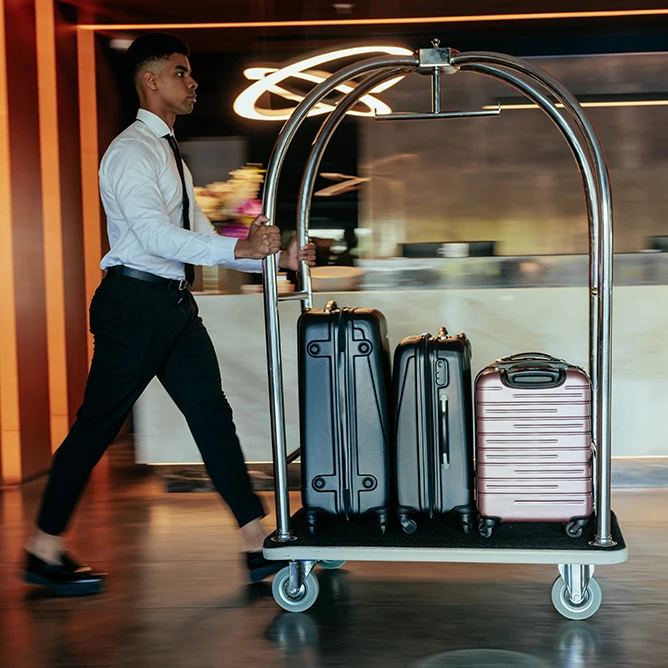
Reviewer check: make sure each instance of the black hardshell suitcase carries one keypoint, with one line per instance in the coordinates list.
(434, 429)
(344, 393)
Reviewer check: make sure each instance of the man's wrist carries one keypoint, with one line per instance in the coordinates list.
(240, 249)
(282, 260)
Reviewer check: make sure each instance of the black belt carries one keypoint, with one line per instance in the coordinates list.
(169, 283)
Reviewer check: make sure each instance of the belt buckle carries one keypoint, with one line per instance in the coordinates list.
(183, 284)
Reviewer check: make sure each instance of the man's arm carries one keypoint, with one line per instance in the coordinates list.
(132, 175)
(203, 225)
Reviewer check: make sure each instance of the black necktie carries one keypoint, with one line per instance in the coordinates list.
(190, 270)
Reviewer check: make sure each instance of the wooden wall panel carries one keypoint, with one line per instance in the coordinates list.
(52, 222)
(28, 245)
(76, 306)
(10, 433)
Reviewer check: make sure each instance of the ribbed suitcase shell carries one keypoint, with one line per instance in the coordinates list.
(533, 440)
(344, 391)
(531, 449)
(434, 428)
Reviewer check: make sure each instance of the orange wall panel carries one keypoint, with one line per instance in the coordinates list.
(76, 306)
(51, 218)
(10, 434)
(28, 243)
(92, 236)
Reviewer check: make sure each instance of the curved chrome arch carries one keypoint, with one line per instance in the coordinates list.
(272, 325)
(591, 162)
(318, 149)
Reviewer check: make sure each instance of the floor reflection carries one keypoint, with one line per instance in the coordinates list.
(177, 597)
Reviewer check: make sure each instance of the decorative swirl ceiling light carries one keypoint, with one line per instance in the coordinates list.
(267, 80)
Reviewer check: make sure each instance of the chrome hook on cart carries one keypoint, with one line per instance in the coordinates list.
(577, 593)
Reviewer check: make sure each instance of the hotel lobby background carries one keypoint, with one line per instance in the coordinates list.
(177, 595)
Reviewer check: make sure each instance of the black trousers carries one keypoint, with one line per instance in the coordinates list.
(142, 330)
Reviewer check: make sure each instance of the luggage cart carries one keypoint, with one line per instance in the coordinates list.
(575, 593)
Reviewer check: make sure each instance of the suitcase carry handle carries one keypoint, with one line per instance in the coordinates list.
(531, 360)
(330, 306)
(517, 357)
(443, 430)
(533, 378)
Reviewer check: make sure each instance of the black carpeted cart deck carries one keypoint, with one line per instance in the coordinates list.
(443, 540)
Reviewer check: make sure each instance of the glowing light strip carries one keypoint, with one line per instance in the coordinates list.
(10, 425)
(258, 73)
(51, 218)
(413, 20)
(627, 103)
(245, 104)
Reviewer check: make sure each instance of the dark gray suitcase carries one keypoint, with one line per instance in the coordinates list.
(344, 392)
(434, 429)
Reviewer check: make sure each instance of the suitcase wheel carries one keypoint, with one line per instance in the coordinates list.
(408, 525)
(486, 526)
(466, 523)
(382, 517)
(574, 528)
(314, 519)
(465, 517)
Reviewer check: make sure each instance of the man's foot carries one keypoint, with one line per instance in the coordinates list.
(71, 578)
(260, 568)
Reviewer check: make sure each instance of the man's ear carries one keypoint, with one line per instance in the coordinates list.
(150, 80)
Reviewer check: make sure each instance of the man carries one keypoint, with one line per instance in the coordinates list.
(145, 322)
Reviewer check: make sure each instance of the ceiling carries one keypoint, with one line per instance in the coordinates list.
(171, 11)
(521, 37)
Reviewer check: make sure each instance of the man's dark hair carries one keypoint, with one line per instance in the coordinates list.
(153, 47)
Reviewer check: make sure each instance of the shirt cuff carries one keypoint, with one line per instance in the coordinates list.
(223, 254)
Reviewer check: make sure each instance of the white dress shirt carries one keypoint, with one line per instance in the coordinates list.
(142, 195)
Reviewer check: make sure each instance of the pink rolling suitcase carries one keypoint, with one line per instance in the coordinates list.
(533, 443)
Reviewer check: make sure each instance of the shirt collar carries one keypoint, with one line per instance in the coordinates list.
(153, 123)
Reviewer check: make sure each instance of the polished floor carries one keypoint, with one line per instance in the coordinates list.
(176, 596)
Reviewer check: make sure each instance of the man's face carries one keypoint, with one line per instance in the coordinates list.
(175, 84)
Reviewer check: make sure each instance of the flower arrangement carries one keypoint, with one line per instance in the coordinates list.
(233, 204)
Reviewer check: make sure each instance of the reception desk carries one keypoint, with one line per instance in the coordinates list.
(498, 321)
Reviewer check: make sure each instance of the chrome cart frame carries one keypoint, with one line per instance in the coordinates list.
(575, 593)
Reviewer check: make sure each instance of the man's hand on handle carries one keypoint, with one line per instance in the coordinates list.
(264, 240)
(290, 258)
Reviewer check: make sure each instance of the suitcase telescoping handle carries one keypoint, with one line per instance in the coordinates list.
(444, 441)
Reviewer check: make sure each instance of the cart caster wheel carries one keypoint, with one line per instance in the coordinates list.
(575, 528)
(486, 527)
(305, 598)
(565, 607)
(408, 525)
(331, 564)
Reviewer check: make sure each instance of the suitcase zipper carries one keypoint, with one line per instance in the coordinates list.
(344, 440)
(444, 439)
(422, 421)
